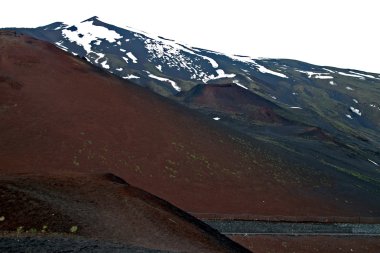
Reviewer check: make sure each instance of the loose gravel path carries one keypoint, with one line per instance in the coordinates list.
(14, 244)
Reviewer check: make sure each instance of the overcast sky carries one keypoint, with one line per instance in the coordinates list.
(325, 32)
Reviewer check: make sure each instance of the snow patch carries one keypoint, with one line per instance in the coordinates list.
(119, 69)
(221, 74)
(216, 118)
(264, 70)
(329, 70)
(214, 64)
(356, 101)
(132, 57)
(375, 163)
(332, 83)
(131, 77)
(324, 77)
(245, 59)
(126, 59)
(349, 88)
(349, 116)
(123, 50)
(295, 107)
(59, 45)
(173, 84)
(239, 84)
(100, 56)
(159, 67)
(105, 65)
(354, 110)
(89, 33)
(351, 75)
(59, 27)
(364, 75)
(316, 75)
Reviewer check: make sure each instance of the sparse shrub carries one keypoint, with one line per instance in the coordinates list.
(74, 229)
(44, 228)
(32, 230)
(20, 229)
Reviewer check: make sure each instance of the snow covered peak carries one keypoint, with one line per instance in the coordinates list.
(91, 19)
(195, 63)
(129, 52)
(86, 32)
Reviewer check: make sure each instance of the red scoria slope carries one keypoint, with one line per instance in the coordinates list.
(232, 99)
(58, 113)
(101, 207)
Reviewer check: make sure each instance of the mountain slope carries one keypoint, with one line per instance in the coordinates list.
(233, 100)
(102, 207)
(60, 113)
(341, 102)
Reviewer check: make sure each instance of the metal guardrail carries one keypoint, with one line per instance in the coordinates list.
(241, 227)
(282, 218)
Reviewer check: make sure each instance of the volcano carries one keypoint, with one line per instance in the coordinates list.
(59, 113)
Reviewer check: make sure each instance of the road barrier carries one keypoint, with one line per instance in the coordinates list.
(282, 218)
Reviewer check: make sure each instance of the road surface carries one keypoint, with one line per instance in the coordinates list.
(238, 227)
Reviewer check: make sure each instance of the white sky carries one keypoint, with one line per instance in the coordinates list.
(327, 32)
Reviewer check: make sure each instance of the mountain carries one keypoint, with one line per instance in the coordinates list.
(311, 112)
(59, 113)
(315, 126)
(215, 147)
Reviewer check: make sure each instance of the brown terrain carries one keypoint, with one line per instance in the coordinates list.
(234, 100)
(62, 121)
(103, 207)
(309, 244)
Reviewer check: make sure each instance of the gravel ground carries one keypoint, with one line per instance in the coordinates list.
(309, 244)
(257, 227)
(64, 245)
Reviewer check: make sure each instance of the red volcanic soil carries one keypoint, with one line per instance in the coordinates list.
(58, 113)
(102, 207)
(309, 244)
(232, 99)
(315, 133)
